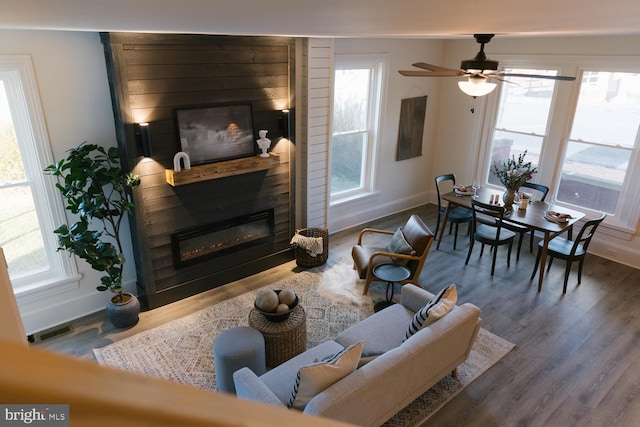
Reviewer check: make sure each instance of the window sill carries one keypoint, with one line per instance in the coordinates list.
(354, 197)
(46, 288)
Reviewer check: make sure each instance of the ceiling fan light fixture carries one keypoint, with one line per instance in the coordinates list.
(476, 86)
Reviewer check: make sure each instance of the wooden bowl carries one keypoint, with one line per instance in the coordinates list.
(278, 317)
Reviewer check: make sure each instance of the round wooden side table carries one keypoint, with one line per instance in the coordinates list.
(282, 340)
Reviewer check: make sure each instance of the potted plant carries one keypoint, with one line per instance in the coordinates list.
(513, 174)
(96, 189)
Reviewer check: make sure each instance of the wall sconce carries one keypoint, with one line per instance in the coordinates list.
(286, 123)
(476, 86)
(145, 138)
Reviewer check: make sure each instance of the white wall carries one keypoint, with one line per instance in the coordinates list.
(399, 185)
(457, 138)
(74, 90)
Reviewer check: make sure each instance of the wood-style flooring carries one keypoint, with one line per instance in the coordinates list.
(577, 356)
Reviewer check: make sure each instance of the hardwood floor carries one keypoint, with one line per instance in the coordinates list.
(576, 357)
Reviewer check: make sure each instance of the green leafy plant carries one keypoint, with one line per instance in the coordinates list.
(95, 188)
(514, 173)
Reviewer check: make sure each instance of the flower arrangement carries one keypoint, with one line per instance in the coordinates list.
(514, 173)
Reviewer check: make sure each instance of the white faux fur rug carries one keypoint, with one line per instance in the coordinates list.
(331, 295)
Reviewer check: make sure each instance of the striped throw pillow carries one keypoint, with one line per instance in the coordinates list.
(435, 309)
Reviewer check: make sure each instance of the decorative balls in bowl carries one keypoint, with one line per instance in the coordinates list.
(276, 305)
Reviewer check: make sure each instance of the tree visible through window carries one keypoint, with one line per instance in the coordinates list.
(20, 235)
(29, 211)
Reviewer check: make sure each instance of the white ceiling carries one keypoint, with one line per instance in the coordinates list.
(331, 18)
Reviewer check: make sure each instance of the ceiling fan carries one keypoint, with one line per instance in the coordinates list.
(478, 70)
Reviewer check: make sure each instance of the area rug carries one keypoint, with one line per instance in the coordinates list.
(331, 295)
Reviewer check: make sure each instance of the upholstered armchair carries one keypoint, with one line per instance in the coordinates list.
(365, 257)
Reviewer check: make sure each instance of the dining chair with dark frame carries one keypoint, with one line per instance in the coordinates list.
(521, 229)
(495, 235)
(570, 250)
(457, 215)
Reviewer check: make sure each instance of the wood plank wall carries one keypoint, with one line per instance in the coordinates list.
(316, 130)
(152, 75)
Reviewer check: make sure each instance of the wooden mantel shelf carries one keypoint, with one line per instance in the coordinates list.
(221, 169)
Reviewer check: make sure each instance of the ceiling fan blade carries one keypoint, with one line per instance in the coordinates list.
(415, 73)
(493, 76)
(535, 76)
(432, 67)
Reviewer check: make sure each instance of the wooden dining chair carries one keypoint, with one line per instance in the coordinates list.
(495, 235)
(569, 250)
(457, 215)
(543, 190)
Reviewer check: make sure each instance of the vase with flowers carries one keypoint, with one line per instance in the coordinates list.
(512, 174)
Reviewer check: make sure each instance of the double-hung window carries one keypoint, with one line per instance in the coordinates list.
(602, 141)
(584, 138)
(356, 117)
(522, 122)
(29, 206)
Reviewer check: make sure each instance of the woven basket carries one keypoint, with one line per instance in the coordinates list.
(282, 340)
(303, 259)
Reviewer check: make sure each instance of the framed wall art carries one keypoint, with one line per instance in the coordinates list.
(215, 133)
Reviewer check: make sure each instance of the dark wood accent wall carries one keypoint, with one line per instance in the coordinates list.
(151, 75)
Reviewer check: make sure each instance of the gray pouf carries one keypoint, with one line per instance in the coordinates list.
(237, 348)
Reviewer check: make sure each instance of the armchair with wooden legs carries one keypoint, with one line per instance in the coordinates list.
(366, 257)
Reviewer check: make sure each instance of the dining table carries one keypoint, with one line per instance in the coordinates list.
(534, 216)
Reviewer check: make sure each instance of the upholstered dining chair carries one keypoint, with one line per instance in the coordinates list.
(569, 250)
(494, 235)
(542, 191)
(457, 215)
(365, 257)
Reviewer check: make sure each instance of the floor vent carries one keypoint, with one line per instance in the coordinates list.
(54, 332)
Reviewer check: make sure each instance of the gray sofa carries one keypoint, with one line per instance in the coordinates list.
(403, 371)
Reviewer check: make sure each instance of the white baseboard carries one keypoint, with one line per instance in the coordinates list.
(354, 213)
(617, 253)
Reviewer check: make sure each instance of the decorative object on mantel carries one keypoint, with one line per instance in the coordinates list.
(512, 175)
(221, 169)
(96, 190)
(264, 143)
(181, 155)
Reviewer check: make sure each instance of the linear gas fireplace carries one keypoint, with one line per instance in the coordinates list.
(216, 239)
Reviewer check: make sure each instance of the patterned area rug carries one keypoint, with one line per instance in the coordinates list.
(181, 350)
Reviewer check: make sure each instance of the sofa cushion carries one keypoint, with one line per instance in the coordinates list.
(381, 332)
(435, 309)
(398, 245)
(314, 379)
(368, 356)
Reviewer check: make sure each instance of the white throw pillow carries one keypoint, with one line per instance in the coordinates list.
(314, 379)
(435, 309)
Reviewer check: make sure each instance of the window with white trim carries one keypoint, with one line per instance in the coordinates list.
(584, 136)
(603, 137)
(29, 207)
(522, 122)
(356, 117)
